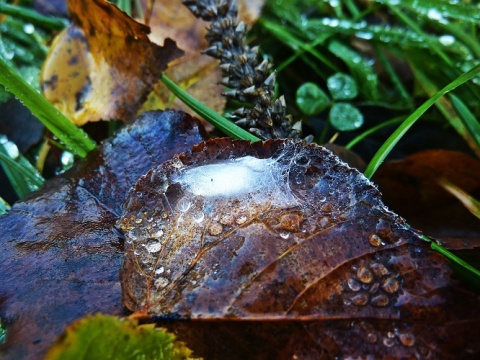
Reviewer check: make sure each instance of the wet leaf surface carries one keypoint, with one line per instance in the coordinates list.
(410, 186)
(296, 255)
(92, 71)
(59, 253)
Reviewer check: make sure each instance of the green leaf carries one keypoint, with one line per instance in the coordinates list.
(345, 117)
(75, 138)
(360, 69)
(342, 87)
(311, 100)
(108, 337)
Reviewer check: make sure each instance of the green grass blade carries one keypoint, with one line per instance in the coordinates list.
(464, 269)
(22, 175)
(4, 207)
(291, 41)
(33, 16)
(469, 120)
(390, 143)
(448, 111)
(75, 138)
(208, 114)
(374, 129)
(441, 9)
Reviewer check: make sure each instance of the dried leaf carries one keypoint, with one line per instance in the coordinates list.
(92, 71)
(59, 251)
(198, 74)
(285, 232)
(108, 337)
(410, 187)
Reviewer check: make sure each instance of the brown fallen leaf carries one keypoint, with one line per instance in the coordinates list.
(103, 66)
(59, 252)
(284, 232)
(410, 186)
(198, 74)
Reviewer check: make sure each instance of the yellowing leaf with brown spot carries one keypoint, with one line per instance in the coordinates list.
(103, 66)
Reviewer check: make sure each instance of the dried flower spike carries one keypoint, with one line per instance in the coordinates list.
(249, 79)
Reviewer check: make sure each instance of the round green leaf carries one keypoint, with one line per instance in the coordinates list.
(108, 337)
(311, 99)
(342, 87)
(345, 117)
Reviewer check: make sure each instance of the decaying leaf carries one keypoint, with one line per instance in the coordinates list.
(103, 66)
(198, 74)
(284, 232)
(109, 337)
(410, 186)
(59, 252)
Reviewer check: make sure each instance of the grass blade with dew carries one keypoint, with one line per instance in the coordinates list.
(390, 143)
(224, 125)
(448, 111)
(75, 138)
(23, 176)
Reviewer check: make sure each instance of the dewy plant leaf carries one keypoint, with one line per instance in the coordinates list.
(283, 231)
(108, 337)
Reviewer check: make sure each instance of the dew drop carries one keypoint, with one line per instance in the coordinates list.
(11, 149)
(227, 219)
(446, 40)
(390, 285)
(241, 219)
(380, 300)
(375, 240)
(158, 233)
(133, 234)
(372, 338)
(160, 270)
(215, 229)
(364, 275)
(161, 282)
(388, 342)
(153, 246)
(379, 269)
(354, 285)
(183, 205)
(284, 234)
(28, 28)
(138, 221)
(360, 299)
(198, 217)
(407, 339)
